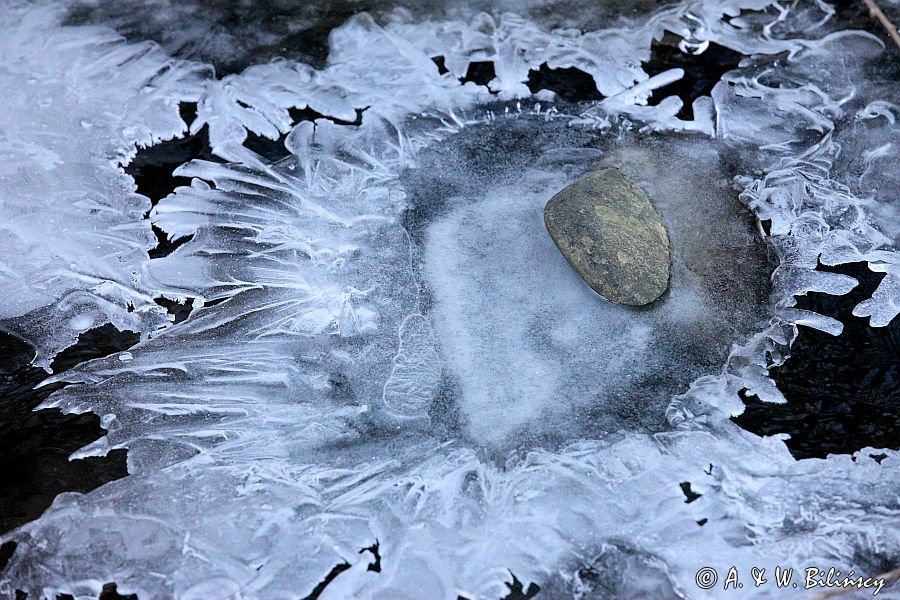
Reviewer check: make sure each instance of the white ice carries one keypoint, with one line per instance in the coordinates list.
(434, 389)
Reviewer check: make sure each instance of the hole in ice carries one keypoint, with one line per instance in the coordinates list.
(274, 150)
(271, 150)
(480, 72)
(843, 392)
(152, 169)
(331, 576)
(374, 566)
(6, 551)
(111, 592)
(689, 494)
(519, 592)
(188, 112)
(701, 71)
(439, 61)
(179, 310)
(35, 445)
(94, 343)
(164, 244)
(570, 83)
(153, 166)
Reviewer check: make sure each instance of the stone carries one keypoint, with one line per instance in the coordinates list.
(611, 234)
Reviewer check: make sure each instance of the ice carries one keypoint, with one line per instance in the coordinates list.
(884, 304)
(72, 236)
(388, 347)
(416, 375)
(521, 329)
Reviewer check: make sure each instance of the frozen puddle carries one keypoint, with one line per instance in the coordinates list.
(534, 350)
(392, 385)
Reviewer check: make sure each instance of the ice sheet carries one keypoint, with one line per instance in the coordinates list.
(363, 379)
(72, 237)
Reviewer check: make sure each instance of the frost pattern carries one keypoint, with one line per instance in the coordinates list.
(263, 434)
(72, 236)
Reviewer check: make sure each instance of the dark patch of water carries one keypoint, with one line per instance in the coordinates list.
(274, 150)
(153, 167)
(179, 310)
(94, 343)
(164, 244)
(35, 445)
(689, 494)
(234, 35)
(374, 566)
(516, 590)
(480, 72)
(111, 592)
(7, 549)
(571, 83)
(519, 592)
(229, 35)
(843, 392)
(271, 150)
(439, 61)
(339, 568)
(701, 71)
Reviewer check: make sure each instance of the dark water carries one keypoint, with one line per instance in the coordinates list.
(233, 35)
(35, 445)
(843, 391)
(34, 464)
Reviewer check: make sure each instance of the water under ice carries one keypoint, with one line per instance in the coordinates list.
(389, 348)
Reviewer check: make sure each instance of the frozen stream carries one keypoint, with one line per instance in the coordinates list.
(391, 384)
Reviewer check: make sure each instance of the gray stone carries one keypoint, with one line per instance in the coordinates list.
(609, 231)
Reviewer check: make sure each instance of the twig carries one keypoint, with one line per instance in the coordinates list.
(876, 12)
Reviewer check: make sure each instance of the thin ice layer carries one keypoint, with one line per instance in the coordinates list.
(261, 448)
(536, 351)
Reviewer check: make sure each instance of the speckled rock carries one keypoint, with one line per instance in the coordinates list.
(609, 231)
